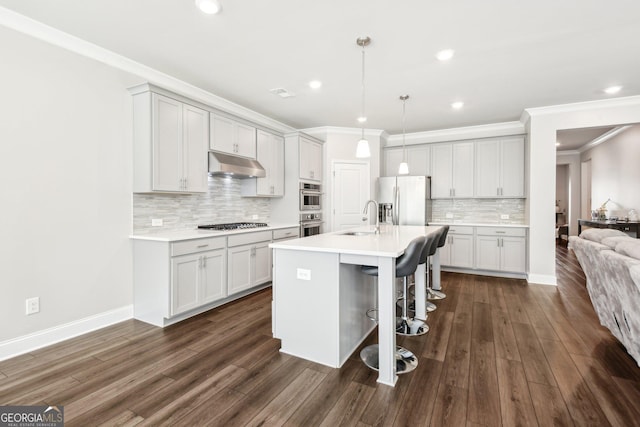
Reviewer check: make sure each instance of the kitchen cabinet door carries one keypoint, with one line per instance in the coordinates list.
(261, 264)
(392, 160)
(167, 144)
(270, 154)
(441, 167)
(512, 167)
(184, 283)
(452, 170)
(461, 251)
(462, 169)
(488, 168)
(232, 137)
(213, 276)
(488, 253)
(513, 254)
(171, 156)
(239, 260)
(500, 168)
(419, 160)
(310, 161)
(195, 137)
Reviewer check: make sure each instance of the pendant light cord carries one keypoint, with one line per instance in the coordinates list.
(362, 116)
(404, 148)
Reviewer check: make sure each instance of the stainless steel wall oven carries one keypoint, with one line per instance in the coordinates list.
(310, 197)
(310, 224)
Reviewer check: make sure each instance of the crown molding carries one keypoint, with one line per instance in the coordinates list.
(456, 134)
(567, 152)
(582, 106)
(40, 31)
(345, 131)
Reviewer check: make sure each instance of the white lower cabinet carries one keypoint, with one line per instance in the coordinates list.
(197, 279)
(501, 249)
(458, 249)
(249, 260)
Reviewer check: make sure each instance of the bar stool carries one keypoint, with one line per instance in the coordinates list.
(405, 265)
(429, 249)
(436, 294)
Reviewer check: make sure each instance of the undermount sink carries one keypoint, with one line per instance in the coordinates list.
(357, 233)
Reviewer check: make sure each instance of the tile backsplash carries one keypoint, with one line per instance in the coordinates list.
(222, 203)
(479, 210)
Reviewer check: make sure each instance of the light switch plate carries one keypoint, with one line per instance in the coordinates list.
(156, 222)
(449, 215)
(303, 274)
(504, 216)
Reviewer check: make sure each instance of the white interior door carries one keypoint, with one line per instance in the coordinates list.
(350, 191)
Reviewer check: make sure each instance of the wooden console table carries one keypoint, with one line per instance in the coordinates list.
(629, 227)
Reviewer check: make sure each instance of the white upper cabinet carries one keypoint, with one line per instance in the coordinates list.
(270, 154)
(232, 137)
(500, 168)
(452, 170)
(170, 145)
(418, 159)
(310, 161)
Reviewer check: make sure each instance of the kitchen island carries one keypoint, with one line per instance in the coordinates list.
(320, 297)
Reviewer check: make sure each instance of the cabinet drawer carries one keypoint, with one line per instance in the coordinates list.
(286, 233)
(501, 231)
(454, 229)
(197, 245)
(248, 238)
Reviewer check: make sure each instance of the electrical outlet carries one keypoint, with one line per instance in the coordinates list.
(504, 216)
(303, 274)
(33, 305)
(156, 222)
(449, 215)
(254, 216)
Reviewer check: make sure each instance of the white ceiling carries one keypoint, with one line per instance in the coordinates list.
(510, 55)
(575, 139)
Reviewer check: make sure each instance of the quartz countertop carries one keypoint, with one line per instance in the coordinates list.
(174, 236)
(478, 224)
(391, 242)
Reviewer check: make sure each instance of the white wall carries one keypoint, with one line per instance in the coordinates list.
(562, 187)
(65, 177)
(571, 204)
(615, 172)
(543, 123)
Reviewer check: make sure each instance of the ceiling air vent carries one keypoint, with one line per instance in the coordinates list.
(282, 92)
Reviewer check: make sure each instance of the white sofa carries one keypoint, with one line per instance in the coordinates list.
(611, 263)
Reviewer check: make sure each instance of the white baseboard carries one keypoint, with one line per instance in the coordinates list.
(24, 344)
(542, 279)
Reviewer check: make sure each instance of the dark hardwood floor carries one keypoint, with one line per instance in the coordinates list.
(499, 352)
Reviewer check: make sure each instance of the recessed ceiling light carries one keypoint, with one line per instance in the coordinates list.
(457, 105)
(612, 89)
(445, 55)
(362, 119)
(209, 6)
(315, 84)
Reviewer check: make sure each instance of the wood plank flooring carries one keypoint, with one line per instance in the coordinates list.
(499, 352)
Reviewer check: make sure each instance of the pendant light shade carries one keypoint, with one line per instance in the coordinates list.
(363, 150)
(403, 169)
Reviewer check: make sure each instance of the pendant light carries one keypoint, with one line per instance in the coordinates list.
(404, 167)
(362, 150)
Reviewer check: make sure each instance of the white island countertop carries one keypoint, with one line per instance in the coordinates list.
(391, 242)
(178, 235)
(478, 224)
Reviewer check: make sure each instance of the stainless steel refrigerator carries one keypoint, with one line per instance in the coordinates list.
(405, 200)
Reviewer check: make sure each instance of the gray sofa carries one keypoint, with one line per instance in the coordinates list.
(611, 263)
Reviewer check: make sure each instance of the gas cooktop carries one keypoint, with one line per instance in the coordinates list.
(233, 226)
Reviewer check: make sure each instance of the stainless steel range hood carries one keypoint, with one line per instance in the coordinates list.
(238, 167)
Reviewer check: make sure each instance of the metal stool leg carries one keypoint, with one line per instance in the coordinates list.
(406, 325)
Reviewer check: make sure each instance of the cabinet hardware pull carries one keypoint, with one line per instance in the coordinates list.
(203, 246)
(500, 232)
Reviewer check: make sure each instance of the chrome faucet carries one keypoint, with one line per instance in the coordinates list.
(366, 209)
